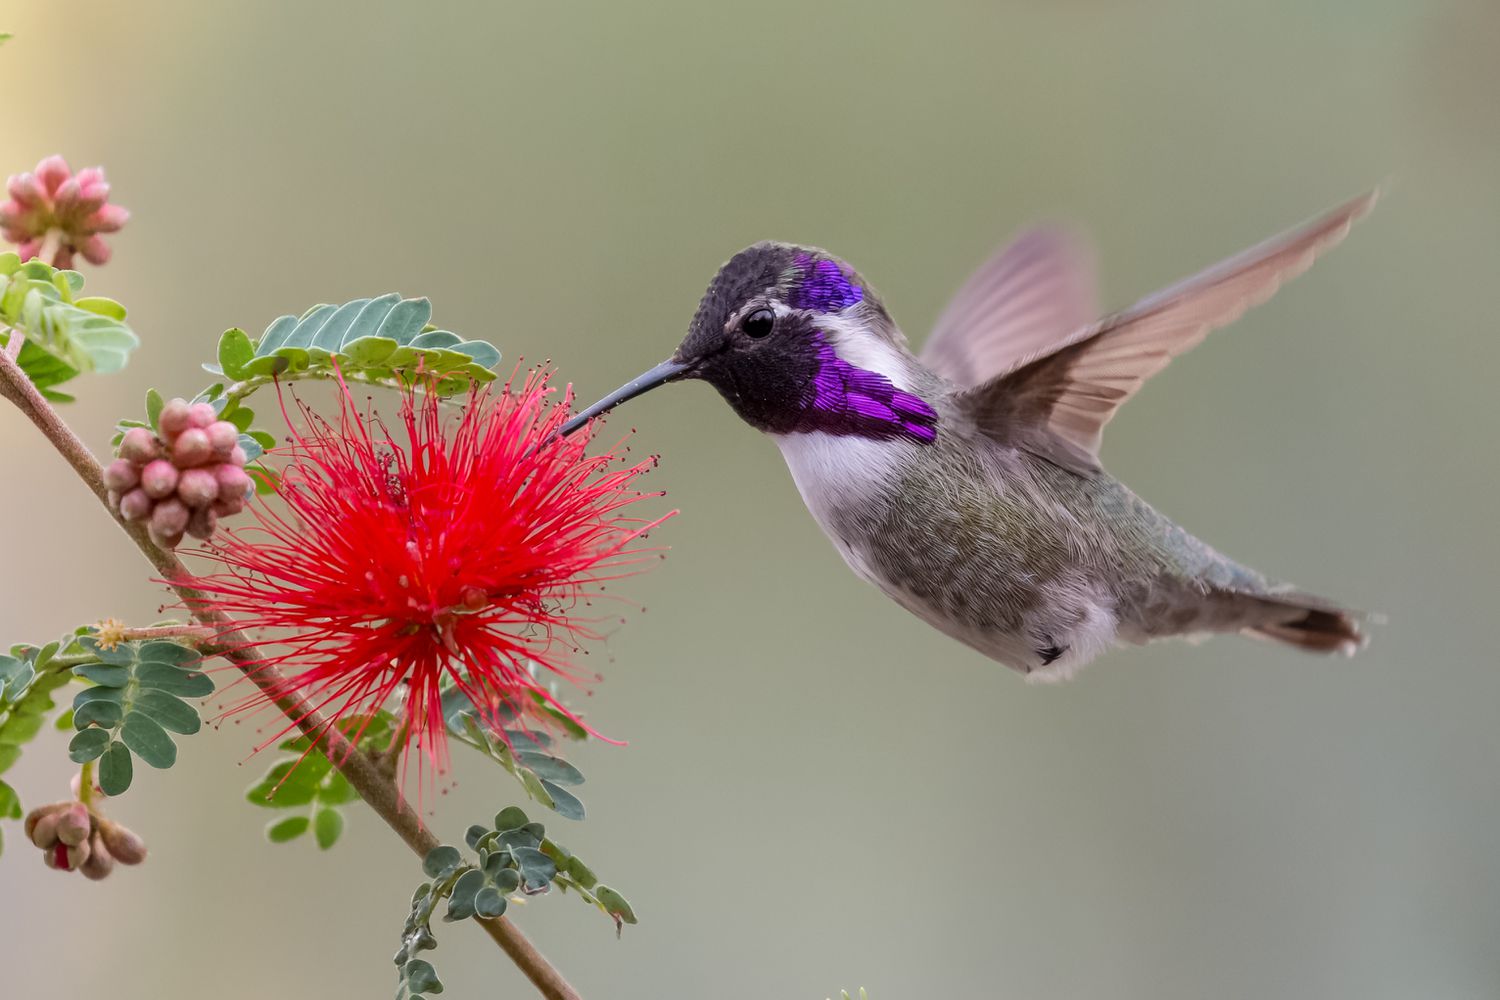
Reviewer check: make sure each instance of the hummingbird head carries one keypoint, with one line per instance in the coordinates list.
(795, 341)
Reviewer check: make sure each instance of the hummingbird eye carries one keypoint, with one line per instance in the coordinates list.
(759, 323)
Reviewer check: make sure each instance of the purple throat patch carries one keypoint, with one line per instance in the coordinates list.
(854, 401)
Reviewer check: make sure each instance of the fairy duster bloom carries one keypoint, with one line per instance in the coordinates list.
(54, 199)
(462, 552)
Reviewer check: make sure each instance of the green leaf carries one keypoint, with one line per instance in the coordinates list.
(115, 769)
(10, 802)
(328, 824)
(235, 352)
(489, 902)
(461, 900)
(289, 783)
(154, 404)
(614, 904)
(510, 818)
(536, 868)
(105, 674)
(549, 768)
(563, 801)
(421, 977)
(289, 828)
(148, 740)
(169, 711)
(88, 745)
(441, 861)
(63, 331)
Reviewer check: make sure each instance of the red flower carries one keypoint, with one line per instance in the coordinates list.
(76, 206)
(459, 556)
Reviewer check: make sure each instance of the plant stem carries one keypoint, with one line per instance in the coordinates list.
(377, 789)
(86, 785)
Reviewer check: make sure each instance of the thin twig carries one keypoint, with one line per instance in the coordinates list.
(378, 791)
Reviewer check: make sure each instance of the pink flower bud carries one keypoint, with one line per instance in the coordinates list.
(198, 488)
(29, 248)
(234, 481)
(109, 219)
(25, 190)
(94, 249)
(51, 172)
(77, 855)
(159, 479)
(223, 436)
(40, 813)
(123, 844)
(100, 863)
(74, 824)
(176, 417)
(202, 523)
(135, 505)
(203, 414)
(139, 445)
(169, 518)
(66, 197)
(44, 831)
(227, 507)
(192, 448)
(164, 540)
(237, 456)
(121, 475)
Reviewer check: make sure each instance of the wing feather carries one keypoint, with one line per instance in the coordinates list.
(1057, 402)
(1034, 292)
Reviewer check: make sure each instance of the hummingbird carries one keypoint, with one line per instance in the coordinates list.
(964, 481)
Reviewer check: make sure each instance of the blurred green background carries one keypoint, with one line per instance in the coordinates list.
(820, 791)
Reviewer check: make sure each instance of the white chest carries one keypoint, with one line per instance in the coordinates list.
(836, 473)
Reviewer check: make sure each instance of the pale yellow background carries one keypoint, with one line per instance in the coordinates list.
(819, 791)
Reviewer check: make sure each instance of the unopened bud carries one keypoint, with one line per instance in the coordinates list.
(123, 843)
(121, 475)
(198, 487)
(234, 481)
(135, 505)
(237, 455)
(192, 448)
(38, 814)
(139, 446)
(227, 508)
(175, 418)
(100, 862)
(202, 414)
(223, 436)
(44, 831)
(202, 523)
(77, 854)
(159, 479)
(74, 824)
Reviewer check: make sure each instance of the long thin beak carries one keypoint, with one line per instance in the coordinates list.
(660, 375)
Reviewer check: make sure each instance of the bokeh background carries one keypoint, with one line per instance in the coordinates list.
(819, 791)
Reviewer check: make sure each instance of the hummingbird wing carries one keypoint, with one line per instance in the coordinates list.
(1056, 404)
(1028, 296)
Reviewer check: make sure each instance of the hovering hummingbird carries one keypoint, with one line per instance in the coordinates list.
(965, 482)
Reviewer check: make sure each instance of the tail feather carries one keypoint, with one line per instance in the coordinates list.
(1308, 623)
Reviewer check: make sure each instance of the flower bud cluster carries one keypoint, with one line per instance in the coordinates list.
(74, 838)
(183, 481)
(54, 199)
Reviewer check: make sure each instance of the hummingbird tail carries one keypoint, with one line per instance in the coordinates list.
(1308, 623)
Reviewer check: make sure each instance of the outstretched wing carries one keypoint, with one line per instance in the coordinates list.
(1027, 297)
(1056, 404)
